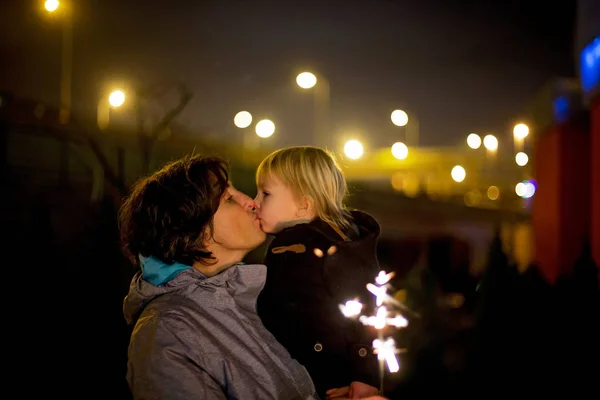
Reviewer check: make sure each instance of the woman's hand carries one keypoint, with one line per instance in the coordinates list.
(356, 390)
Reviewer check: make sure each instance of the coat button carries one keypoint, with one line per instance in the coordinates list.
(318, 347)
(362, 352)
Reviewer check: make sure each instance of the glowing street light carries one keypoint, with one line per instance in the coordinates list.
(116, 98)
(458, 173)
(529, 190)
(265, 128)
(490, 143)
(399, 150)
(51, 5)
(353, 149)
(493, 193)
(243, 119)
(474, 141)
(520, 131)
(521, 159)
(399, 118)
(525, 189)
(306, 80)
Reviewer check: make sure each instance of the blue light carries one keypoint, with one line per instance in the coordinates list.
(560, 107)
(530, 188)
(590, 66)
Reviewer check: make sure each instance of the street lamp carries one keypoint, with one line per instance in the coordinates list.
(51, 5)
(493, 193)
(115, 99)
(474, 141)
(521, 159)
(306, 80)
(411, 124)
(66, 75)
(399, 150)
(490, 143)
(458, 173)
(265, 128)
(399, 118)
(243, 119)
(322, 105)
(525, 189)
(353, 149)
(520, 132)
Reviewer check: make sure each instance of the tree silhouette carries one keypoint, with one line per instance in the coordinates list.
(148, 139)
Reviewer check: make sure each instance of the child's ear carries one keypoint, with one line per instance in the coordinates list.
(305, 207)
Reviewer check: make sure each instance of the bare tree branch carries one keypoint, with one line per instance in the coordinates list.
(147, 140)
(110, 175)
(185, 97)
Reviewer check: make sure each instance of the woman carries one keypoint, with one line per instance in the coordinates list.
(197, 333)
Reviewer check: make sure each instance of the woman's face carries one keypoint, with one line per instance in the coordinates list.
(236, 226)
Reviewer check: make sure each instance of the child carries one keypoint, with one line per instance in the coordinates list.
(321, 256)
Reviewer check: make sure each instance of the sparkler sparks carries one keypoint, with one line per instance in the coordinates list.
(352, 308)
(384, 348)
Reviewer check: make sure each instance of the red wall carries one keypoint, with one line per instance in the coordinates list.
(595, 178)
(561, 208)
(545, 209)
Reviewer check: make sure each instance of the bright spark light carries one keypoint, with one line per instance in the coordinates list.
(380, 292)
(352, 308)
(385, 349)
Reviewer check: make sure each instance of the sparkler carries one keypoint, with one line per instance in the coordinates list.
(385, 348)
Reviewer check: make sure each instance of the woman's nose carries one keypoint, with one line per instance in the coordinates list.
(243, 200)
(246, 202)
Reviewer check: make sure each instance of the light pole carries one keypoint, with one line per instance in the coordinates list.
(520, 132)
(243, 120)
(115, 99)
(490, 143)
(410, 123)
(66, 75)
(322, 105)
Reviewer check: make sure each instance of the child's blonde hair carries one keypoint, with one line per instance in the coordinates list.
(312, 172)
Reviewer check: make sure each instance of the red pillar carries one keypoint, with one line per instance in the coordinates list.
(561, 205)
(595, 178)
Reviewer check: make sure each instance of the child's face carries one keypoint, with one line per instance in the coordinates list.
(276, 205)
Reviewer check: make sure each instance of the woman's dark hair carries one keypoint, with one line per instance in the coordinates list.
(168, 213)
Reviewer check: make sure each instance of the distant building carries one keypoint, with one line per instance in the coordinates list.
(588, 23)
(587, 47)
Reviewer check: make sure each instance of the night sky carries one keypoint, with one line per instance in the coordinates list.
(461, 66)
